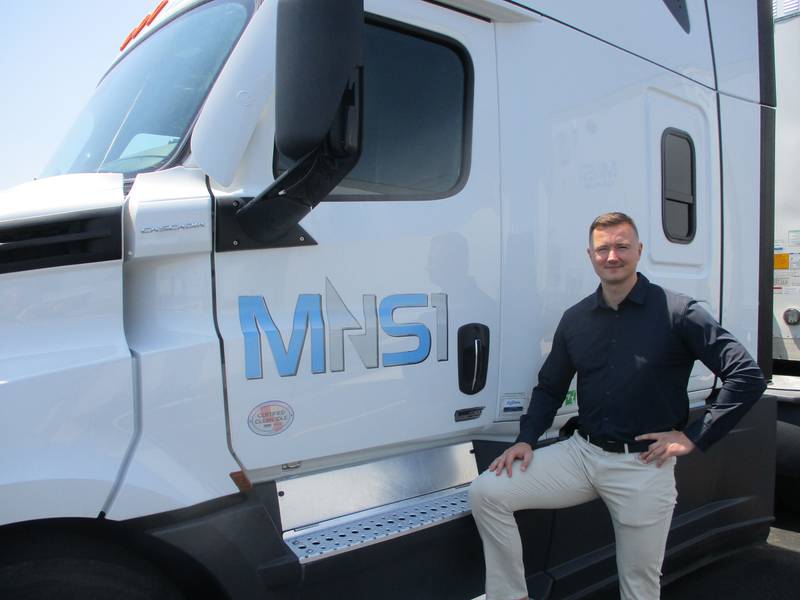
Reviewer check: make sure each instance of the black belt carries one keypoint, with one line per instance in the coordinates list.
(612, 445)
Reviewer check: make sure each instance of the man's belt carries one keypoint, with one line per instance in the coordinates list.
(612, 445)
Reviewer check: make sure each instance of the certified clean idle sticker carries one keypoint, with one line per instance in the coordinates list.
(270, 418)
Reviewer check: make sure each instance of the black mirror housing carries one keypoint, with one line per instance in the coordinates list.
(319, 47)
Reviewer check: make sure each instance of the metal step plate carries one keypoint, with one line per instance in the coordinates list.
(369, 527)
(326, 495)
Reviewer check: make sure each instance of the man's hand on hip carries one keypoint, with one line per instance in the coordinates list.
(519, 451)
(665, 445)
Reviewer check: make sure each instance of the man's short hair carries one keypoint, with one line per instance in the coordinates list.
(612, 219)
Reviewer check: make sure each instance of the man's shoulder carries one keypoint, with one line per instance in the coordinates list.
(582, 307)
(672, 296)
(674, 301)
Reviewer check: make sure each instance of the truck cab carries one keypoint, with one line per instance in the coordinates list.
(285, 287)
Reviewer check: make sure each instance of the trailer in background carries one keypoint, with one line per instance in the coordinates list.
(786, 285)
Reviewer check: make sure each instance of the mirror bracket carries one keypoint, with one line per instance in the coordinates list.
(276, 210)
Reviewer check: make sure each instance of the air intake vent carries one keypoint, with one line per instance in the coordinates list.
(71, 239)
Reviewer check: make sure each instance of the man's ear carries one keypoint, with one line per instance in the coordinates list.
(641, 246)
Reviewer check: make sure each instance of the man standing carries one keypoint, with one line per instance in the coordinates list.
(632, 345)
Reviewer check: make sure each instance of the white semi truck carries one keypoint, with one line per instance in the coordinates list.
(284, 289)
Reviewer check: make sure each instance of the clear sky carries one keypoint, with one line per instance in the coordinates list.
(53, 53)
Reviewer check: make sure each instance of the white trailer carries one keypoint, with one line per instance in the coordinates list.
(786, 322)
(285, 288)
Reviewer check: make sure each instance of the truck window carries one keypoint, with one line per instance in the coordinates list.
(141, 112)
(417, 93)
(678, 211)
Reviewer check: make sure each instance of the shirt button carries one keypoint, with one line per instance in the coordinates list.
(613, 341)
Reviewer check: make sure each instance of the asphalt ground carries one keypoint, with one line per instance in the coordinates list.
(765, 571)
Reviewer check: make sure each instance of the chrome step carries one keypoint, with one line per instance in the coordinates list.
(376, 525)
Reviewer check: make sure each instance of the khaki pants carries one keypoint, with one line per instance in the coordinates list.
(639, 496)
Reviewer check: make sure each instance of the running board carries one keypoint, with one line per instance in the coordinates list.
(377, 525)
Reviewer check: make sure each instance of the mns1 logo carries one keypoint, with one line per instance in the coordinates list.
(338, 322)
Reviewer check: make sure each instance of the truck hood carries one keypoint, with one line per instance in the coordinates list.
(60, 195)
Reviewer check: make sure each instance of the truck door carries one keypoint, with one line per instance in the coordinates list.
(345, 338)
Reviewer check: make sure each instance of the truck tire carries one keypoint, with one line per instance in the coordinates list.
(72, 569)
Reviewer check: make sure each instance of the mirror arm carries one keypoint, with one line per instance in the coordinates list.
(296, 192)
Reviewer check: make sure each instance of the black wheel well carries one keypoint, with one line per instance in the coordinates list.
(117, 541)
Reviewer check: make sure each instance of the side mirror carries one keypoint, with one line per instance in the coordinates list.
(318, 48)
(318, 116)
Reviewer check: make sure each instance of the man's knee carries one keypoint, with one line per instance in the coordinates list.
(485, 493)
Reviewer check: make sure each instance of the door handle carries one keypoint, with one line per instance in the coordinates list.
(473, 357)
(477, 359)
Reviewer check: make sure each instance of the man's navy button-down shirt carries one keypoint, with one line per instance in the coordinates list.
(633, 366)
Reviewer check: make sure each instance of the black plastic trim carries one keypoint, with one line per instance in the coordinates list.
(229, 235)
(61, 240)
(458, 10)
(473, 365)
(468, 115)
(766, 54)
(237, 538)
(692, 201)
(680, 11)
(767, 238)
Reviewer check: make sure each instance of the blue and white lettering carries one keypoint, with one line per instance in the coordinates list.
(254, 314)
(254, 318)
(418, 330)
(341, 319)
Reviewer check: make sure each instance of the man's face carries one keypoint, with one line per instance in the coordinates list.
(615, 252)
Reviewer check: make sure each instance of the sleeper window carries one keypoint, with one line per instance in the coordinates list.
(678, 207)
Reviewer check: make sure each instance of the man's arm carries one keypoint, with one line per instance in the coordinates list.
(743, 382)
(546, 398)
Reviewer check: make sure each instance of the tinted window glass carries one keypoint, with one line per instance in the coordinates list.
(143, 108)
(678, 166)
(678, 186)
(415, 105)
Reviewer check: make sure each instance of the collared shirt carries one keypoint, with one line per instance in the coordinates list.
(633, 366)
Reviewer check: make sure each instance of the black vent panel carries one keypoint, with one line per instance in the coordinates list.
(72, 239)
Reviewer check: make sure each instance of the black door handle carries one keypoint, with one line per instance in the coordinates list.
(473, 357)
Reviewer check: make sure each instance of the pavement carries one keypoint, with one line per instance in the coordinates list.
(767, 571)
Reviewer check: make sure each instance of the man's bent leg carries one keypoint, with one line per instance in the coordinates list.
(555, 478)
